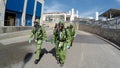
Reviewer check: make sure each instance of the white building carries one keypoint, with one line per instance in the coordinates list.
(97, 16)
(57, 16)
(20, 12)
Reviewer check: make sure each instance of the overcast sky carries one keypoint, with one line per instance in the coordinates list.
(86, 8)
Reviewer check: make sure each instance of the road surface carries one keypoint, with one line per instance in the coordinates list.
(88, 51)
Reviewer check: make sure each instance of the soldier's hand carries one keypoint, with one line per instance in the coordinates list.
(44, 41)
(51, 42)
(29, 41)
(74, 35)
(68, 47)
(35, 40)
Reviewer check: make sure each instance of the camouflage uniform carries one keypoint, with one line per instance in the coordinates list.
(61, 43)
(72, 33)
(55, 37)
(39, 35)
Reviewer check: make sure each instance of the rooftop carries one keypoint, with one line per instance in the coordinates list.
(111, 13)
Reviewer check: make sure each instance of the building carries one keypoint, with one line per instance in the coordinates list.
(20, 12)
(97, 16)
(57, 16)
(111, 13)
(112, 19)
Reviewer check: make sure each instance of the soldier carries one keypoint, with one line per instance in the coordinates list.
(39, 35)
(55, 32)
(72, 33)
(55, 39)
(61, 38)
(69, 39)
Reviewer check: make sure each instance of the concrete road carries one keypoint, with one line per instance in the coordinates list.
(88, 51)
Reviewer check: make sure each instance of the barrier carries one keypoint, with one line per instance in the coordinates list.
(110, 34)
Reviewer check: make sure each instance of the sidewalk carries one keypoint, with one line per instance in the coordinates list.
(16, 37)
(15, 40)
(14, 34)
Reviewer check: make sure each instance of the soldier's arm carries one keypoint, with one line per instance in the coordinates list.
(73, 31)
(44, 34)
(31, 35)
(68, 35)
(54, 34)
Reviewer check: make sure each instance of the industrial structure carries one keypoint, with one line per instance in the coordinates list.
(56, 16)
(20, 12)
(112, 17)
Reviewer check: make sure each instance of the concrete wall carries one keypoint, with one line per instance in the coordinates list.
(13, 29)
(110, 34)
(2, 11)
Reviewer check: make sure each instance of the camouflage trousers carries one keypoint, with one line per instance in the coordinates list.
(38, 44)
(61, 52)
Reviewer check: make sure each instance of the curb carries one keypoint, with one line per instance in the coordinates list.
(109, 42)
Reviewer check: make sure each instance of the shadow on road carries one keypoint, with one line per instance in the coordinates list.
(43, 51)
(27, 58)
(52, 52)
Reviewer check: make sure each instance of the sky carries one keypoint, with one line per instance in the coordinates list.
(86, 8)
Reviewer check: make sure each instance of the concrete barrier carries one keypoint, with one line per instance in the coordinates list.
(110, 34)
